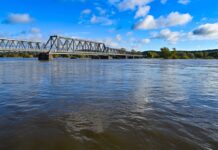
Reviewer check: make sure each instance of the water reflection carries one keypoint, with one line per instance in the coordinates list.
(115, 104)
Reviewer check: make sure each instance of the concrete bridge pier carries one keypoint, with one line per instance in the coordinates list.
(45, 56)
(106, 57)
(95, 57)
(130, 57)
(110, 57)
(102, 57)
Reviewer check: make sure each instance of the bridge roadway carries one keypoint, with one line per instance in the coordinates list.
(64, 46)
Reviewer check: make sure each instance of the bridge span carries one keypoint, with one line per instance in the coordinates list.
(64, 45)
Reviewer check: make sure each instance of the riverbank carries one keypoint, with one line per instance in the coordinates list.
(164, 53)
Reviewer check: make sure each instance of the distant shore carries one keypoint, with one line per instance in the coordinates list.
(164, 53)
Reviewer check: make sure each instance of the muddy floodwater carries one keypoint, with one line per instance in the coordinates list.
(70, 104)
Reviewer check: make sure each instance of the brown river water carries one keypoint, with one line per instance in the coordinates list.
(69, 104)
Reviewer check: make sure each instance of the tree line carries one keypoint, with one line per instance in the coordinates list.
(166, 53)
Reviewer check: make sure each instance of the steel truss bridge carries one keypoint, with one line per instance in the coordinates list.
(57, 45)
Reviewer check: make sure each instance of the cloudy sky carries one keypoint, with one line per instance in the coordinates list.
(132, 24)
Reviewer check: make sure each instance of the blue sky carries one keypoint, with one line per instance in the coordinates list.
(132, 24)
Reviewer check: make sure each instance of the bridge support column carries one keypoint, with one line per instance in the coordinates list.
(110, 57)
(105, 57)
(45, 56)
(95, 57)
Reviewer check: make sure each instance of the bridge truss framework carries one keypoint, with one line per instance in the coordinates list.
(57, 44)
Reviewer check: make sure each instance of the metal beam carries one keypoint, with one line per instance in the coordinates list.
(56, 44)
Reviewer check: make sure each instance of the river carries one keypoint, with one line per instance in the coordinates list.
(68, 104)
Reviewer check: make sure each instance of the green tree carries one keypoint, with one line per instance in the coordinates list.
(152, 54)
(133, 51)
(191, 55)
(174, 54)
(165, 53)
(199, 54)
(183, 55)
(122, 50)
(213, 55)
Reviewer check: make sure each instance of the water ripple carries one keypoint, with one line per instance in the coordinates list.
(108, 104)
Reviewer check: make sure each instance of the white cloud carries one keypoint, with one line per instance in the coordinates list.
(14, 18)
(148, 23)
(135, 43)
(173, 19)
(101, 20)
(35, 30)
(113, 1)
(101, 10)
(168, 35)
(205, 31)
(176, 18)
(184, 2)
(145, 41)
(118, 37)
(34, 34)
(163, 1)
(132, 4)
(110, 42)
(139, 5)
(35, 37)
(142, 11)
(86, 12)
(129, 33)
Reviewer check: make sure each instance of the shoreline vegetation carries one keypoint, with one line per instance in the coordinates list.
(164, 53)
